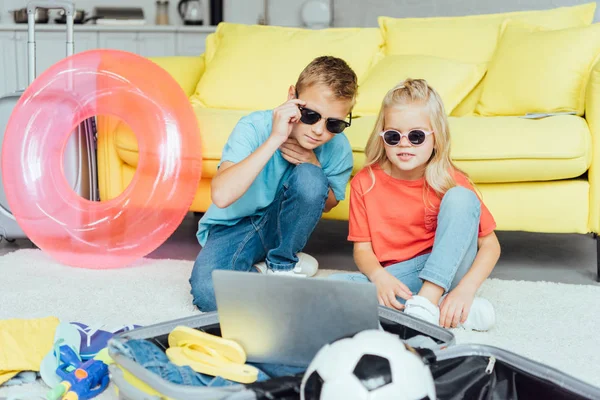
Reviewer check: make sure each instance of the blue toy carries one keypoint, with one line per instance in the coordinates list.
(81, 381)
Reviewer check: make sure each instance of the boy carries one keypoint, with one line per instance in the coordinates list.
(280, 170)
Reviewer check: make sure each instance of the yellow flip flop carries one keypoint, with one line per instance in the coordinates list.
(210, 354)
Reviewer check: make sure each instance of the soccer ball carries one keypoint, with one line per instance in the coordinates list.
(372, 365)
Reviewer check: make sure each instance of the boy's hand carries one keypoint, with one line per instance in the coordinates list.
(388, 287)
(284, 118)
(456, 306)
(295, 154)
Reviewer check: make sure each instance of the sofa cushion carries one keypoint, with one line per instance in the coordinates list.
(490, 149)
(214, 124)
(506, 149)
(252, 67)
(536, 70)
(395, 68)
(186, 70)
(471, 38)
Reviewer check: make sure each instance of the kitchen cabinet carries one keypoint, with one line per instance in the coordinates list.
(8, 66)
(147, 41)
(156, 44)
(190, 44)
(125, 41)
(51, 47)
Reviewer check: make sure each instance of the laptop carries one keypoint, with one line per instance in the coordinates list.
(285, 319)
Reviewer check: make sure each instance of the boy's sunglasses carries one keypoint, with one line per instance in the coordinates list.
(415, 137)
(311, 117)
(333, 125)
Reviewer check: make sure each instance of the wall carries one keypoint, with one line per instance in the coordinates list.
(365, 12)
(346, 12)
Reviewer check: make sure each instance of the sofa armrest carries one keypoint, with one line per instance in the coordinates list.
(592, 115)
(110, 177)
(187, 71)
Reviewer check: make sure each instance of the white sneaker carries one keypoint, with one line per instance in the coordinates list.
(306, 266)
(422, 308)
(482, 316)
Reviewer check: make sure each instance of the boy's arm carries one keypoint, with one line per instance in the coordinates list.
(330, 202)
(233, 179)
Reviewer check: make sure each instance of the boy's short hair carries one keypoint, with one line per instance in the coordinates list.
(333, 73)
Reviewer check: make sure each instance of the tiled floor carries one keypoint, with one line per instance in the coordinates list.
(567, 258)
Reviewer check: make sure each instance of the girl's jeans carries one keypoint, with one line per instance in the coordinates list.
(454, 247)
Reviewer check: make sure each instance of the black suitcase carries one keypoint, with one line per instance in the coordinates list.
(460, 371)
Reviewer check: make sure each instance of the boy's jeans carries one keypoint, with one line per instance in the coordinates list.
(454, 247)
(277, 235)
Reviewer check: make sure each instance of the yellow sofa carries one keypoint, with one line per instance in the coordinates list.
(534, 174)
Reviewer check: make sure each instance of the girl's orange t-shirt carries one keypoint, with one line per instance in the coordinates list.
(394, 217)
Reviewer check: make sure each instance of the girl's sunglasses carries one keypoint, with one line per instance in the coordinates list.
(333, 125)
(415, 137)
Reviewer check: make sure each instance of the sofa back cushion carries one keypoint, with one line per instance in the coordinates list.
(395, 68)
(186, 70)
(252, 67)
(535, 70)
(471, 38)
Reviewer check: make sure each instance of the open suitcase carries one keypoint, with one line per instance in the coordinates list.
(80, 153)
(459, 371)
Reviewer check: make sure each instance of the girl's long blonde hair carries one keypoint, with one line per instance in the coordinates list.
(438, 170)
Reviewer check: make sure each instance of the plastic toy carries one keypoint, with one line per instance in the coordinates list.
(81, 381)
(167, 160)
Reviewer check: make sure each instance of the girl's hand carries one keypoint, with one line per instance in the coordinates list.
(388, 287)
(455, 308)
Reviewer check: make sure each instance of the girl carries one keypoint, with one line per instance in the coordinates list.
(420, 232)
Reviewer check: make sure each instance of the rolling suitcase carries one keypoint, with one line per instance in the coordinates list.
(79, 158)
(133, 382)
(465, 371)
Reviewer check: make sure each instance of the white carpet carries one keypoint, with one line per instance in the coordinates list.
(555, 324)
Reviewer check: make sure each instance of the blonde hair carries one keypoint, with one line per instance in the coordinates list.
(438, 174)
(333, 73)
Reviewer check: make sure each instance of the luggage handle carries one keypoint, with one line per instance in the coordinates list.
(69, 8)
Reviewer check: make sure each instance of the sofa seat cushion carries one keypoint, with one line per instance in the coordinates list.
(490, 149)
(506, 149)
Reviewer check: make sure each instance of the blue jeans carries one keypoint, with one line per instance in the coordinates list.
(454, 246)
(152, 358)
(275, 236)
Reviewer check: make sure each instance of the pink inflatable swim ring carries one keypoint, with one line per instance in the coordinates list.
(116, 232)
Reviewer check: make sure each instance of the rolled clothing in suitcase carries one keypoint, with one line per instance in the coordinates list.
(79, 158)
(460, 371)
(134, 382)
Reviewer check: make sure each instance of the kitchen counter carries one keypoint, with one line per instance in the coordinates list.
(111, 28)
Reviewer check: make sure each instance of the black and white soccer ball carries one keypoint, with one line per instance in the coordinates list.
(371, 365)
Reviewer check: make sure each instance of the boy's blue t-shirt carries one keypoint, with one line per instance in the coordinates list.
(252, 131)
